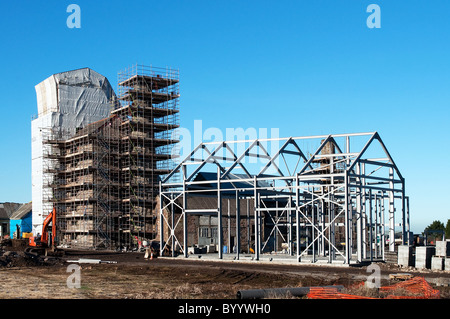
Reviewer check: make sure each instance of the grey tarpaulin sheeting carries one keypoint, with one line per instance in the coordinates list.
(76, 98)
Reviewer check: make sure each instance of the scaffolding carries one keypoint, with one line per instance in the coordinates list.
(104, 179)
(313, 198)
(85, 185)
(148, 106)
(66, 101)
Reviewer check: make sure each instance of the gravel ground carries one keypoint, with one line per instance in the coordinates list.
(133, 277)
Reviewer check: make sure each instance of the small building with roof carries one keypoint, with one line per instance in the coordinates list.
(21, 221)
(6, 210)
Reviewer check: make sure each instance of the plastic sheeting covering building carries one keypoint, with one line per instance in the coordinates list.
(66, 101)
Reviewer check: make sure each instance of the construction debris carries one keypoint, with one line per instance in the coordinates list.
(23, 259)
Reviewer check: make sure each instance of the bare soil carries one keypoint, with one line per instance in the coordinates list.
(133, 277)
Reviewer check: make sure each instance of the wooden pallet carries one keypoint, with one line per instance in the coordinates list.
(400, 276)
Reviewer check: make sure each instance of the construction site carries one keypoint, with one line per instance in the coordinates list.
(233, 219)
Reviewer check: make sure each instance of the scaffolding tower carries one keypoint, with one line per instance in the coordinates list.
(148, 105)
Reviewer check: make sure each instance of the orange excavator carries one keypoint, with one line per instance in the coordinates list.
(42, 244)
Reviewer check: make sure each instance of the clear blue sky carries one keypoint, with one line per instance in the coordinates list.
(305, 66)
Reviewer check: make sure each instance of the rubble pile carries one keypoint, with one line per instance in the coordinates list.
(14, 255)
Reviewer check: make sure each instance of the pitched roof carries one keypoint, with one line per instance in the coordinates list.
(7, 209)
(22, 211)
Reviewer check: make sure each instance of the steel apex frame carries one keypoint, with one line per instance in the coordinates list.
(329, 198)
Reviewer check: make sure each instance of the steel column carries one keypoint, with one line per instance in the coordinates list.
(219, 214)
(238, 225)
(184, 208)
(391, 212)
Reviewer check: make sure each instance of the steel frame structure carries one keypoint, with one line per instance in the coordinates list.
(328, 197)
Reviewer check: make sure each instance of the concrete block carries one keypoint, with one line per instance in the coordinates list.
(437, 263)
(443, 248)
(405, 256)
(447, 264)
(423, 256)
(211, 248)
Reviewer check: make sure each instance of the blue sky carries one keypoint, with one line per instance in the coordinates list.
(305, 67)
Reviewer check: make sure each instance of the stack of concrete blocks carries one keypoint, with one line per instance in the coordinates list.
(443, 248)
(423, 256)
(437, 263)
(211, 249)
(442, 255)
(405, 256)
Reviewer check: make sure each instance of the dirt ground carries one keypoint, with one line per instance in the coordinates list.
(133, 277)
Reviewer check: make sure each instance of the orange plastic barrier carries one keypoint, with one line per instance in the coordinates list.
(331, 293)
(418, 287)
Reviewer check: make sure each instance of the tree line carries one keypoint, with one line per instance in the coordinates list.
(438, 225)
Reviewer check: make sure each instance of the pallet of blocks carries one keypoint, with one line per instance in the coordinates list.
(437, 263)
(400, 277)
(423, 256)
(443, 251)
(443, 248)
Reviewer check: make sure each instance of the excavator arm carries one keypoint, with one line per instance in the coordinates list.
(44, 240)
